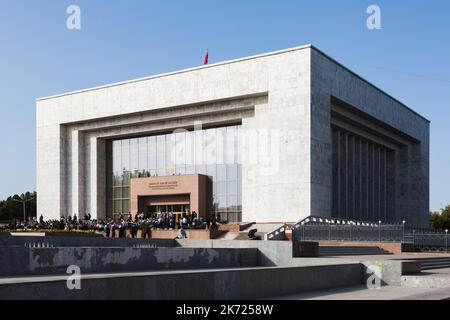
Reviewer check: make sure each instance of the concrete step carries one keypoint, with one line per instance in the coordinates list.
(345, 250)
(434, 263)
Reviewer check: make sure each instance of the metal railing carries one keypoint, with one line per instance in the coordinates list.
(332, 229)
(278, 234)
(350, 232)
(430, 242)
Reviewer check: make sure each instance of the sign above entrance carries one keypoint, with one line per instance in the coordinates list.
(163, 185)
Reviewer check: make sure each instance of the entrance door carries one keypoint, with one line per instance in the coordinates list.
(178, 210)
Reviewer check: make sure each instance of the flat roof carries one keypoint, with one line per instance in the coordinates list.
(307, 46)
(178, 72)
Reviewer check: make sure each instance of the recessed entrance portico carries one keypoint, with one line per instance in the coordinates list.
(173, 194)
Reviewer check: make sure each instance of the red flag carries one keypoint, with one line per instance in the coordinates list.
(206, 58)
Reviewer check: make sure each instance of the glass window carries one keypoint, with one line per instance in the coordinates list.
(210, 145)
(220, 145)
(151, 155)
(232, 187)
(117, 192)
(232, 172)
(230, 146)
(161, 172)
(125, 155)
(190, 169)
(161, 152)
(221, 172)
(143, 163)
(211, 171)
(221, 188)
(134, 155)
(126, 192)
(198, 145)
(222, 201)
(181, 169)
(239, 145)
(170, 153)
(213, 152)
(232, 202)
(117, 157)
(126, 178)
(118, 180)
(117, 206)
(200, 169)
(180, 149)
(126, 207)
(190, 148)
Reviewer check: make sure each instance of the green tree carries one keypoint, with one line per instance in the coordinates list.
(10, 209)
(440, 220)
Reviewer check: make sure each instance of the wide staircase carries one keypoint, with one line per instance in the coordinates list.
(263, 230)
(351, 251)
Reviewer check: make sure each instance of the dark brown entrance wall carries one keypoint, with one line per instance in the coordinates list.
(194, 190)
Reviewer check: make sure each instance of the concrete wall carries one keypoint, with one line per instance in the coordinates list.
(252, 283)
(45, 261)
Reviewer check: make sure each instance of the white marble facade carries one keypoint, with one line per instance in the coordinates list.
(284, 97)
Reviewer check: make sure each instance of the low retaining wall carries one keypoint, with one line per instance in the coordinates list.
(43, 261)
(271, 253)
(251, 283)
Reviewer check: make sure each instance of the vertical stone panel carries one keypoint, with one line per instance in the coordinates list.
(343, 175)
(358, 196)
(363, 178)
(336, 171)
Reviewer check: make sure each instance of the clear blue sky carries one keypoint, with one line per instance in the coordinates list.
(120, 40)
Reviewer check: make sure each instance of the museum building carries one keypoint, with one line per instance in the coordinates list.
(275, 137)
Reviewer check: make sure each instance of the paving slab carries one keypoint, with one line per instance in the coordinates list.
(362, 293)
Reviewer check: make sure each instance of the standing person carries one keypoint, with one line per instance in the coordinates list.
(214, 224)
(144, 230)
(208, 223)
(113, 229)
(108, 229)
(133, 230)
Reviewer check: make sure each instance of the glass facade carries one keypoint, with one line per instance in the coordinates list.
(214, 152)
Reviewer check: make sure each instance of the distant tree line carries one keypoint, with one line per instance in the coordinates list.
(440, 220)
(10, 209)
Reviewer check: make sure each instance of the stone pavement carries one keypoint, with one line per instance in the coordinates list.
(362, 293)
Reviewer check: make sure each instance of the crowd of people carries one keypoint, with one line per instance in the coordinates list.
(119, 226)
